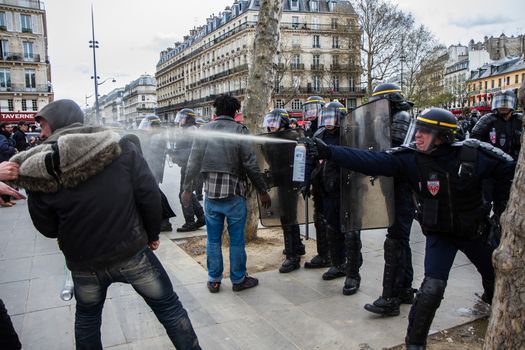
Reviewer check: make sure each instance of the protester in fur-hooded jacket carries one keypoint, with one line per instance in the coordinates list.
(78, 191)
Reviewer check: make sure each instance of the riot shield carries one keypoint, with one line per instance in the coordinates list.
(275, 160)
(367, 202)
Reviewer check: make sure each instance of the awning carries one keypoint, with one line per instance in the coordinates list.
(12, 117)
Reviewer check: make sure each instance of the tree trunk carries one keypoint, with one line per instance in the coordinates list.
(506, 328)
(260, 86)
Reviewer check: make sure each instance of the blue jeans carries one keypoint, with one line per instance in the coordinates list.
(234, 211)
(147, 276)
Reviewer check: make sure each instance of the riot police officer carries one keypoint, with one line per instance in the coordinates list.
(186, 120)
(277, 123)
(503, 127)
(445, 178)
(311, 111)
(398, 273)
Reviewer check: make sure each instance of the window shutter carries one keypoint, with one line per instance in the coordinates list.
(9, 21)
(36, 24)
(18, 22)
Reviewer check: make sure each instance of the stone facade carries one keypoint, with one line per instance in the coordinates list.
(319, 55)
(25, 77)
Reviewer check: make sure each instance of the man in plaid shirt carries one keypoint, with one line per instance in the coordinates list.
(226, 164)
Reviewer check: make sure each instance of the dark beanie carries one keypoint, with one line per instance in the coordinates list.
(61, 113)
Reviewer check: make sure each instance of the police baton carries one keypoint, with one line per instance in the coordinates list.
(306, 223)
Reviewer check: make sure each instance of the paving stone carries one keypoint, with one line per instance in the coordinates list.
(111, 331)
(48, 329)
(44, 293)
(12, 270)
(14, 295)
(48, 265)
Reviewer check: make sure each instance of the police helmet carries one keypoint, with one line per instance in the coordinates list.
(293, 121)
(504, 99)
(185, 117)
(312, 107)
(148, 122)
(277, 118)
(442, 123)
(392, 92)
(200, 121)
(332, 114)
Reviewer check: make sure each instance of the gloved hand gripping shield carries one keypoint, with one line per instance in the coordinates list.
(367, 202)
(276, 160)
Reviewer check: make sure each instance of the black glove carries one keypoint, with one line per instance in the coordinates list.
(305, 191)
(316, 148)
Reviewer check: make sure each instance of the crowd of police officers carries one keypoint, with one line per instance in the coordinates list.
(449, 182)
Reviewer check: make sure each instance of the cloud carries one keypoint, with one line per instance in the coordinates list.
(476, 21)
(160, 41)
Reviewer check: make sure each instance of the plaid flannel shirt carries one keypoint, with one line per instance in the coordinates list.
(223, 185)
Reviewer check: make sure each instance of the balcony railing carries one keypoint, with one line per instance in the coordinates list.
(34, 4)
(297, 66)
(20, 57)
(318, 27)
(317, 67)
(23, 88)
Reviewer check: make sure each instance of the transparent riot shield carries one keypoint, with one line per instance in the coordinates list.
(275, 160)
(367, 202)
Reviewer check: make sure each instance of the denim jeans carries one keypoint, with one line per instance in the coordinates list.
(147, 276)
(234, 211)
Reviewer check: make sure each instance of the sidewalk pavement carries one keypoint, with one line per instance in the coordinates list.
(286, 311)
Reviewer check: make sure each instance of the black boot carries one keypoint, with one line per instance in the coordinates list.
(406, 295)
(201, 221)
(292, 261)
(334, 272)
(322, 259)
(188, 227)
(384, 306)
(422, 313)
(165, 226)
(354, 260)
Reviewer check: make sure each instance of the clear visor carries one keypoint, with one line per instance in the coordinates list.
(272, 121)
(180, 118)
(425, 140)
(148, 123)
(311, 111)
(328, 118)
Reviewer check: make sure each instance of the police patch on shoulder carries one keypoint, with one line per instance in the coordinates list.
(433, 184)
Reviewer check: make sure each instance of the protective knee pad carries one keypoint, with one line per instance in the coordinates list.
(428, 299)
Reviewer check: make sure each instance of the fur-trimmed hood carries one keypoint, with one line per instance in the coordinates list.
(68, 158)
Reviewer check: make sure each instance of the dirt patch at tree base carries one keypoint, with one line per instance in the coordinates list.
(266, 253)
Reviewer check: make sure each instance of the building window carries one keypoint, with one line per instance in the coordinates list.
(316, 82)
(10, 105)
(294, 4)
(508, 80)
(30, 79)
(315, 61)
(351, 103)
(335, 42)
(4, 49)
(316, 43)
(315, 23)
(296, 104)
(24, 105)
(295, 22)
(296, 61)
(335, 83)
(486, 85)
(334, 23)
(34, 105)
(516, 79)
(28, 50)
(314, 6)
(27, 26)
(499, 82)
(143, 98)
(3, 25)
(351, 83)
(278, 104)
(5, 79)
(492, 84)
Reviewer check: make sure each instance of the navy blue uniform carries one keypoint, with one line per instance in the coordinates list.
(449, 211)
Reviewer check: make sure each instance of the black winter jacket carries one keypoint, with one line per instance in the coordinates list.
(223, 155)
(101, 216)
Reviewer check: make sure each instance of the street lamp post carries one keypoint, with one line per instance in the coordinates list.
(94, 45)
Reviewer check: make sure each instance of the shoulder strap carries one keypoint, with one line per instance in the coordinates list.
(487, 149)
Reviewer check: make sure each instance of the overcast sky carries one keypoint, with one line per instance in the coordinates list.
(132, 33)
